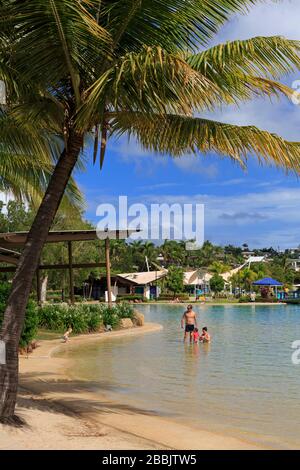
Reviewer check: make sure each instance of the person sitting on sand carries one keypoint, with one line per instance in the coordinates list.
(205, 336)
(67, 334)
(196, 335)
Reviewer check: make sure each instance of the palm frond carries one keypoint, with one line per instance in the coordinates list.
(180, 135)
(26, 179)
(150, 81)
(60, 38)
(260, 56)
(171, 24)
(24, 138)
(242, 69)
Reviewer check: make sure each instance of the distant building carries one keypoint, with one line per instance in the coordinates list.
(295, 264)
(143, 283)
(197, 280)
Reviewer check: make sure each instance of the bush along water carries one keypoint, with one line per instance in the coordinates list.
(31, 316)
(83, 318)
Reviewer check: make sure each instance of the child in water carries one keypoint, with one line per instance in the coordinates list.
(196, 335)
(205, 337)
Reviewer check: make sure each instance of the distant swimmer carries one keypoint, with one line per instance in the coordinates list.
(189, 322)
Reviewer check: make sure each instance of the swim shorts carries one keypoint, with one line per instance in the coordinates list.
(189, 328)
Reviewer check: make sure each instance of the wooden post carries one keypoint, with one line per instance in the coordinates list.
(108, 280)
(38, 286)
(71, 272)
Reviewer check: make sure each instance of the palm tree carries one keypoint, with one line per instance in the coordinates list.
(248, 277)
(76, 68)
(25, 175)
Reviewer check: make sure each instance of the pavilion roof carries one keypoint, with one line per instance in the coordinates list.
(14, 239)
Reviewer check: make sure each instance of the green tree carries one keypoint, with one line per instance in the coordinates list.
(76, 68)
(216, 284)
(174, 280)
(248, 277)
(173, 252)
(218, 267)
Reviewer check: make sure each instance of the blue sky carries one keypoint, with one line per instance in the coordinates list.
(259, 206)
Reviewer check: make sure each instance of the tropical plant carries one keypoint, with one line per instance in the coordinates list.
(83, 318)
(216, 284)
(76, 68)
(174, 280)
(218, 268)
(248, 277)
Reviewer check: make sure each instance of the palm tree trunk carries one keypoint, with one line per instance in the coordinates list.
(22, 282)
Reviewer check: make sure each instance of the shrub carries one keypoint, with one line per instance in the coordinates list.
(31, 316)
(83, 318)
(181, 296)
(30, 324)
(95, 318)
(244, 298)
(124, 310)
(131, 297)
(110, 316)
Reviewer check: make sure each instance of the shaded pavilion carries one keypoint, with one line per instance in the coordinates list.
(268, 282)
(11, 241)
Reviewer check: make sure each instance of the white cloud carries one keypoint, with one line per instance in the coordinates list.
(266, 19)
(269, 218)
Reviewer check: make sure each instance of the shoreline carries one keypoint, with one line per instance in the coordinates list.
(209, 304)
(48, 389)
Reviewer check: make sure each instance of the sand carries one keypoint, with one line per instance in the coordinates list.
(61, 413)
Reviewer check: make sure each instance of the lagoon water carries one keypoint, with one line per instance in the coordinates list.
(244, 383)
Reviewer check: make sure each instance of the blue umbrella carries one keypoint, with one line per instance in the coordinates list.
(267, 281)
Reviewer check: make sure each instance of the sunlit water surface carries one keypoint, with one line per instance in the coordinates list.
(243, 383)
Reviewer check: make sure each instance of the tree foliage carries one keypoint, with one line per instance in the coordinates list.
(216, 283)
(174, 280)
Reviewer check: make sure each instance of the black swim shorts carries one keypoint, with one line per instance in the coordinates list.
(189, 328)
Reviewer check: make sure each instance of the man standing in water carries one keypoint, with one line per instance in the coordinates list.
(189, 321)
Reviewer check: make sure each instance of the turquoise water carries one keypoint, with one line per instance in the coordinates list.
(243, 383)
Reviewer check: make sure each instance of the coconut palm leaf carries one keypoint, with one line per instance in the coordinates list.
(22, 137)
(242, 69)
(267, 56)
(60, 37)
(180, 135)
(28, 154)
(150, 81)
(172, 24)
(154, 80)
(26, 179)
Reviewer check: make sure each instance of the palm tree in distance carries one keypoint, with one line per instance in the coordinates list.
(80, 68)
